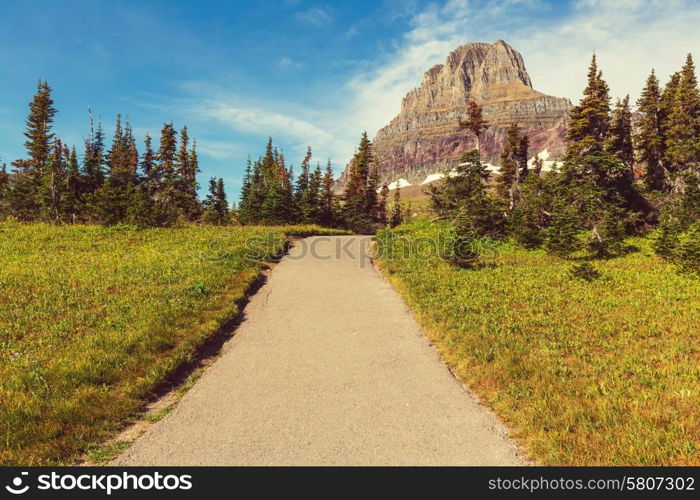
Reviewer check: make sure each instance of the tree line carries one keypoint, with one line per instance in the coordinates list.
(271, 194)
(622, 174)
(157, 187)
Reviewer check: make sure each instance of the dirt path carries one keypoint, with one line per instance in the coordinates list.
(328, 368)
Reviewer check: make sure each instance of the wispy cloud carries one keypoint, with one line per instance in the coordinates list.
(287, 63)
(318, 17)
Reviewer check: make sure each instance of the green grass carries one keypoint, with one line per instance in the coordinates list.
(92, 319)
(586, 373)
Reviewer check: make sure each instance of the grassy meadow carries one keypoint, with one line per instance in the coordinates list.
(585, 373)
(92, 319)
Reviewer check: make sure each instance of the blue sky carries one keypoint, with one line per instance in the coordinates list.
(304, 72)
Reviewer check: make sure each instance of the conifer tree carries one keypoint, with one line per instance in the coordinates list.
(509, 165)
(93, 160)
(650, 136)
(165, 173)
(148, 168)
(216, 209)
(244, 205)
(619, 141)
(302, 192)
(683, 128)
(185, 189)
(327, 218)
(371, 196)
(39, 136)
(590, 120)
(52, 186)
(396, 212)
(28, 177)
(383, 201)
(521, 158)
(4, 191)
(113, 201)
(355, 208)
(475, 122)
(73, 188)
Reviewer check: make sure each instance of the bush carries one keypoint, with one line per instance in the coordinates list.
(689, 250)
(584, 271)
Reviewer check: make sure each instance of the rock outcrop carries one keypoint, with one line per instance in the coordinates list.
(424, 137)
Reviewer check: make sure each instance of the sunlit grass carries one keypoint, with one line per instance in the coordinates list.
(91, 319)
(599, 373)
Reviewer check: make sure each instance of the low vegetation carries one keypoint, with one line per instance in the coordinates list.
(590, 365)
(94, 318)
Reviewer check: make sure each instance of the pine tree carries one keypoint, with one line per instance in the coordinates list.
(93, 161)
(590, 120)
(52, 186)
(29, 174)
(327, 218)
(185, 188)
(371, 198)
(356, 190)
(148, 168)
(521, 158)
(216, 209)
(165, 172)
(39, 136)
(194, 206)
(619, 141)
(382, 219)
(509, 165)
(245, 203)
(683, 128)
(475, 122)
(650, 136)
(302, 194)
(74, 188)
(396, 217)
(4, 192)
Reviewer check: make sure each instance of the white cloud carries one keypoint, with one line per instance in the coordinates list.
(287, 63)
(318, 17)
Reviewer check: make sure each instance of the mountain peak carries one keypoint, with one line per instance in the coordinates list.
(424, 137)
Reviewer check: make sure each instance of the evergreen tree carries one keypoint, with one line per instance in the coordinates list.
(509, 165)
(371, 196)
(93, 161)
(463, 198)
(396, 217)
(245, 208)
(683, 128)
(39, 136)
(216, 209)
(302, 194)
(74, 188)
(148, 168)
(383, 201)
(29, 173)
(356, 190)
(650, 135)
(619, 141)
(164, 172)
(4, 192)
(327, 217)
(52, 186)
(521, 158)
(590, 120)
(475, 122)
(185, 189)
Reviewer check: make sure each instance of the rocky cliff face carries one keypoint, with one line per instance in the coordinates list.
(424, 137)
